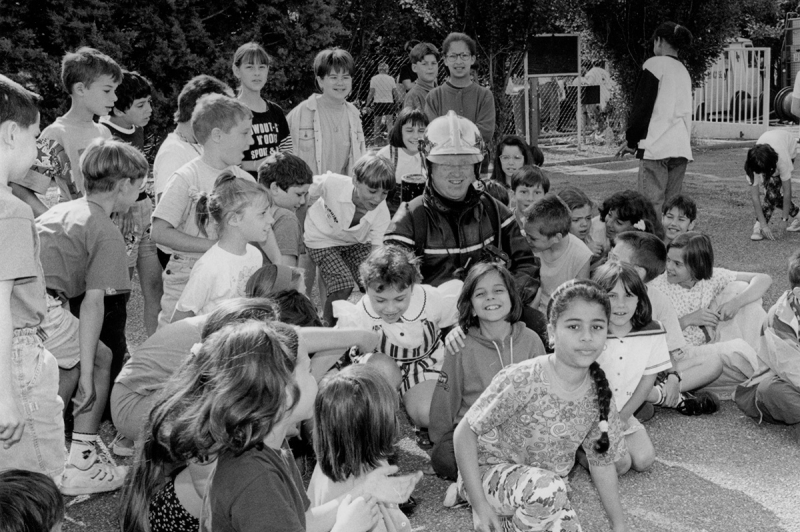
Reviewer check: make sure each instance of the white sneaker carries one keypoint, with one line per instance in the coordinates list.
(122, 446)
(451, 497)
(100, 476)
(794, 227)
(757, 232)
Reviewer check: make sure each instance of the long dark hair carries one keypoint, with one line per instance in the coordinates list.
(466, 314)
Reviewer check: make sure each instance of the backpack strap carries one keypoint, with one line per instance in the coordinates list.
(420, 226)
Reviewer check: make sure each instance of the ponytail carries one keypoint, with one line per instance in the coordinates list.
(201, 213)
(229, 195)
(603, 403)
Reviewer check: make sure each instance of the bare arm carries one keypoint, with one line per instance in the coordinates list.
(91, 322)
(29, 196)
(289, 260)
(465, 442)
(607, 483)
(755, 198)
(11, 422)
(757, 285)
(179, 315)
(271, 249)
(164, 233)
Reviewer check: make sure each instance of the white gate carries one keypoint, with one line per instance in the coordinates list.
(733, 102)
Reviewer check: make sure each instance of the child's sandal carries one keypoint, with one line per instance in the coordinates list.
(698, 404)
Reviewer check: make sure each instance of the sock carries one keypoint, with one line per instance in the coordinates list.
(82, 453)
(660, 389)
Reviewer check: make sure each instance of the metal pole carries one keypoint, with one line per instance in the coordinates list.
(579, 116)
(527, 97)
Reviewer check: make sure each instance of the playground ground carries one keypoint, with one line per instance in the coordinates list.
(718, 473)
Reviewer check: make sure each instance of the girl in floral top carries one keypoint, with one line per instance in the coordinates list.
(520, 438)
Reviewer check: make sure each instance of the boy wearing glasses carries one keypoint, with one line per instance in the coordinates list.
(459, 93)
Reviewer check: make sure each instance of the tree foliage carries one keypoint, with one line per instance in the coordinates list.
(168, 41)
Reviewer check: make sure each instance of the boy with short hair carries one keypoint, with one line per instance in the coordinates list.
(223, 126)
(424, 59)
(31, 426)
(288, 179)
(528, 185)
(774, 152)
(678, 215)
(90, 78)
(459, 93)
(84, 261)
(29, 501)
(564, 256)
(131, 113)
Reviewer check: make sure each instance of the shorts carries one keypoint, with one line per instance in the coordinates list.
(383, 109)
(34, 381)
(130, 410)
(175, 277)
(338, 265)
(63, 334)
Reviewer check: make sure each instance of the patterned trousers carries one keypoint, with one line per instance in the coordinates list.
(527, 498)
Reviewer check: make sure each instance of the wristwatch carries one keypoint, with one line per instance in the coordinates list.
(674, 373)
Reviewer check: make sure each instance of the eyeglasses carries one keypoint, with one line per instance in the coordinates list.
(507, 158)
(453, 57)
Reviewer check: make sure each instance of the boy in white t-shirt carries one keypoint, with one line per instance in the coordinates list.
(564, 256)
(773, 153)
(346, 223)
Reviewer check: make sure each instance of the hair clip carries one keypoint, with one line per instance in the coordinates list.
(195, 350)
(639, 225)
(603, 426)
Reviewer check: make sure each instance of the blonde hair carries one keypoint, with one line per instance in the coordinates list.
(107, 161)
(217, 111)
(231, 195)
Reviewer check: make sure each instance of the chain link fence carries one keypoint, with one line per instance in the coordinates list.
(552, 101)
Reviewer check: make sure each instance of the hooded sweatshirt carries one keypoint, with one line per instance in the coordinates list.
(465, 375)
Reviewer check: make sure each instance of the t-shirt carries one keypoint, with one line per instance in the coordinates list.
(384, 85)
(565, 267)
(218, 275)
(664, 313)
(173, 154)
(784, 143)
(334, 124)
(133, 136)
(82, 250)
(258, 491)
(687, 300)
(406, 164)
(525, 417)
(153, 363)
(626, 360)
(288, 232)
(270, 133)
(415, 97)
(18, 233)
(328, 218)
(178, 204)
(74, 136)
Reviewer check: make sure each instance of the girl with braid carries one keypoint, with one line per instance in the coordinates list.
(519, 439)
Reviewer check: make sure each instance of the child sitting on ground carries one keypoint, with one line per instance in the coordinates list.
(528, 185)
(636, 351)
(511, 154)
(288, 178)
(624, 211)
(241, 211)
(409, 317)
(223, 126)
(346, 223)
(580, 207)
(563, 255)
(354, 434)
(468, 370)
(717, 315)
(424, 59)
(519, 439)
(29, 502)
(773, 393)
(403, 152)
(678, 216)
(773, 153)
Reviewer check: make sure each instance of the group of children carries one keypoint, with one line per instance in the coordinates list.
(637, 313)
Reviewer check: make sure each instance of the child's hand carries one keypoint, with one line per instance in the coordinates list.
(595, 247)
(357, 515)
(388, 489)
(484, 519)
(454, 341)
(86, 392)
(702, 316)
(767, 232)
(672, 392)
(728, 310)
(12, 425)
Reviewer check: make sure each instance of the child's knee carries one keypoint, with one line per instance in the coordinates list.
(623, 465)
(102, 357)
(643, 460)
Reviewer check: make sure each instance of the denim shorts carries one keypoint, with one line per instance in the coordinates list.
(63, 334)
(34, 380)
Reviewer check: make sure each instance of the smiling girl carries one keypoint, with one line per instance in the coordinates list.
(409, 317)
(403, 150)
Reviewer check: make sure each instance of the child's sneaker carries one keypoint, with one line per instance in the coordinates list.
(100, 476)
(794, 227)
(451, 497)
(122, 446)
(757, 232)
